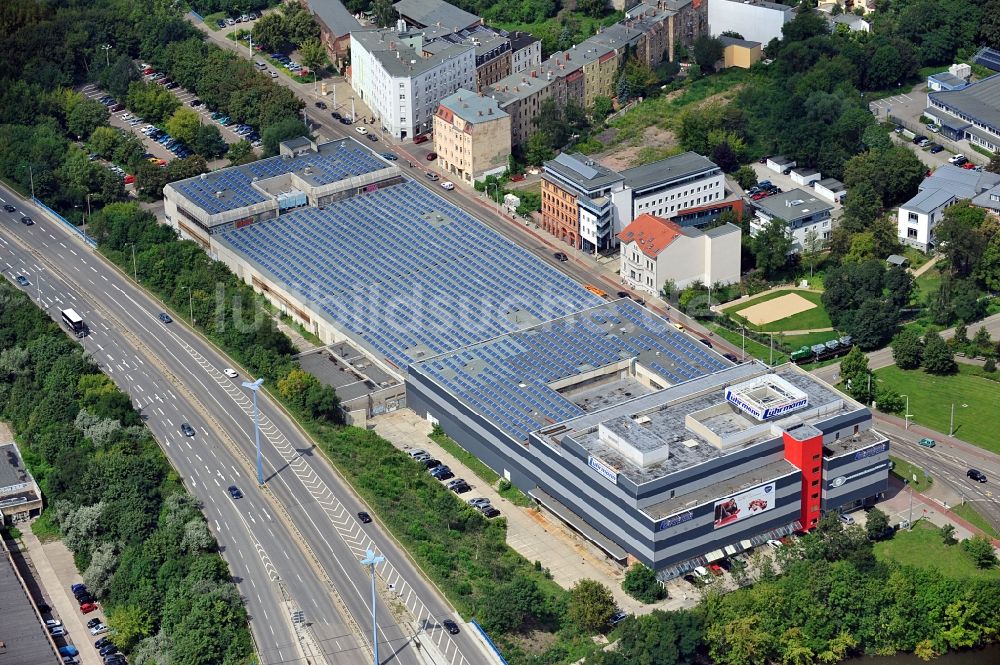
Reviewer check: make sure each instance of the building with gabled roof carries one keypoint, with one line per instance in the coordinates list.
(431, 13)
(654, 250)
(917, 218)
(336, 24)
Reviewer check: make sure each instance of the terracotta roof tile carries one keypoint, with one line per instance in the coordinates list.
(651, 234)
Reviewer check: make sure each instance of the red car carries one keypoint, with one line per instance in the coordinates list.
(968, 165)
(87, 608)
(431, 156)
(148, 70)
(423, 138)
(129, 179)
(759, 195)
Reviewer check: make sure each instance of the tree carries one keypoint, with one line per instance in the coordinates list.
(129, 624)
(103, 562)
(668, 289)
(312, 53)
(948, 534)
(894, 173)
(907, 349)
(269, 31)
(602, 108)
(724, 156)
(103, 141)
(746, 177)
(938, 357)
(537, 149)
(962, 236)
(862, 206)
(980, 550)
(385, 16)
(642, 584)
(590, 605)
(994, 164)
(208, 142)
(282, 131)
(183, 125)
(706, 52)
(812, 247)
(771, 246)
(241, 152)
(982, 342)
(86, 116)
(876, 137)
(856, 376)
(117, 78)
(877, 525)
(510, 604)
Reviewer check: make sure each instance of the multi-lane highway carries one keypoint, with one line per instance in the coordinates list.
(296, 545)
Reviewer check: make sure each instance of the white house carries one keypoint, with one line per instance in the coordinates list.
(756, 20)
(402, 78)
(801, 211)
(948, 184)
(654, 250)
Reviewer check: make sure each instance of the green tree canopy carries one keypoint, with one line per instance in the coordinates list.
(642, 584)
(938, 357)
(907, 349)
(590, 605)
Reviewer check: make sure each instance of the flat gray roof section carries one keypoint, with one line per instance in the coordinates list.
(435, 12)
(473, 108)
(832, 184)
(929, 200)
(667, 170)
(581, 171)
(733, 41)
(979, 100)
(793, 204)
(24, 639)
(401, 60)
(662, 416)
(12, 470)
(851, 444)
(347, 370)
(334, 15)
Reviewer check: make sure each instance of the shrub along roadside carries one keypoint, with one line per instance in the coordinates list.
(139, 539)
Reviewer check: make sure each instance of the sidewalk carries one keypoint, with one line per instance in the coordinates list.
(533, 533)
(53, 568)
(897, 507)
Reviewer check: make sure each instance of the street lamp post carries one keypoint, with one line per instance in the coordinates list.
(371, 561)
(909, 519)
(31, 176)
(107, 58)
(254, 386)
(906, 416)
(135, 270)
(496, 192)
(743, 349)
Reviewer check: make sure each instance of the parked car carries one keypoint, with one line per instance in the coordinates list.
(956, 158)
(422, 138)
(364, 517)
(433, 177)
(388, 155)
(52, 623)
(87, 608)
(102, 642)
(461, 488)
(561, 256)
(976, 475)
(99, 629)
(372, 138)
(431, 463)
(618, 617)
(431, 156)
(936, 148)
(489, 512)
(93, 622)
(220, 23)
(846, 519)
(77, 587)
(478, 502)
(416, 451)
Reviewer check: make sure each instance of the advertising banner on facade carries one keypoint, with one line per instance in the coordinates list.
(751, 502)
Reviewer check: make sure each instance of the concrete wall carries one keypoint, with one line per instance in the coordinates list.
(756, 23)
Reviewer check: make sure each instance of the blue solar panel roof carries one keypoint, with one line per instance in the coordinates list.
(329, 165)
(507, 378)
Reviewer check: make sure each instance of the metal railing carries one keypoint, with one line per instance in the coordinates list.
(57, 217)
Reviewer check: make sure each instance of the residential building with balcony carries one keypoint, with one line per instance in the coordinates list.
(471, 136)
(577, 203)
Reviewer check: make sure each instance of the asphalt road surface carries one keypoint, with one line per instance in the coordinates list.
(301, 528)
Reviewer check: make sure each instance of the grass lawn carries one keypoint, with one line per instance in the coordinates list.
(927, 284)
(968, 512)
(210, 20)
(487, 474)
(45, 528)
(931, 397)
(662, 110)
(916, 257)
(906, 471)
(550, 30)
(807, 320)
(754, 348)
(923, 548)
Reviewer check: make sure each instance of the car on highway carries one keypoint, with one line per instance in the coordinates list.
(431, 156)
(27, 221)
(235, 492)
(450, 626)
(230, 372)
(448, 184)
(927, 443)
(22, 280)
(489, 512)
(364, 517)
(361, 130)
(976, 475)
(346, 120)
(9, 208)
(187, 430)
(372, 138)
(165, 317)
(388, 155)
(87, 608)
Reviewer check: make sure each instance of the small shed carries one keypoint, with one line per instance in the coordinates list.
(778, 164)
(830, 189)
(897, 260)
(804, 176)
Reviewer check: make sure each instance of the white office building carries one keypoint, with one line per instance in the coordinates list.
(670, 186)
(403, 78)
(802, 213)
(757, 20)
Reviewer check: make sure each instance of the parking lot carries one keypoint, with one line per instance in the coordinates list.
(786, 184)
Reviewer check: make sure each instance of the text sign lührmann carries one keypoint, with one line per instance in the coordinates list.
(603, 469)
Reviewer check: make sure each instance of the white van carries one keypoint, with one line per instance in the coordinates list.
(260, 65)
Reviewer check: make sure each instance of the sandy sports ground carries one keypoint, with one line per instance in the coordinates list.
(776, 309)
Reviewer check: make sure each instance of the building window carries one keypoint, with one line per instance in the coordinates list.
(912, 217)
(911, 233)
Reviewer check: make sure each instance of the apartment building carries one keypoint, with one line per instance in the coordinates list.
(949, 184)
(521, 96)
(336, 24)
(667, 24)
(577, 204)
(654, 250)
(802, 213)
(526, 52)
(756, 20)
(471, 136)
(402, 77)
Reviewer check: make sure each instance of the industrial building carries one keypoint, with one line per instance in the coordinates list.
(20, 498)
(651, 445)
